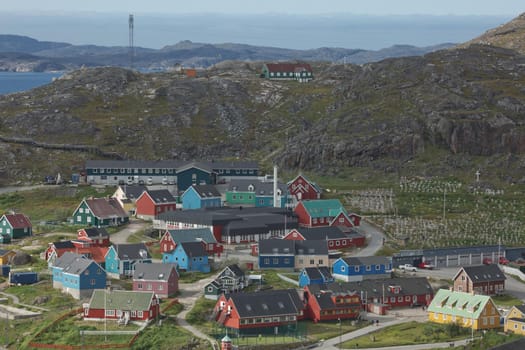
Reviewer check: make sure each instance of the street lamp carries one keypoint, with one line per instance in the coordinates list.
(340, 332)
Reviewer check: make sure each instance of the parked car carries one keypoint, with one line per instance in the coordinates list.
(426, 265)
(487, 261)
(408, 267)
(503, 260)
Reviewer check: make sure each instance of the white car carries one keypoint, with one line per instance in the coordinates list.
(408, 267)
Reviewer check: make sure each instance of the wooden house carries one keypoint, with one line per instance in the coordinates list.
(16, 225)
(77, 275)
(161, 279)
(6, 256)
(361, 268)
(334, 236)
(255, 193)
(201, 196)
(330, 305)
(515, 320)
(121, 259)
(378, 295)
(95, 236)
(254, 312)
(480, 279)
(301, 188)
(276, 253)
(154, 202)
(315, 275)
(122, 305)
(100, 212)
(189, 256)
(127, 196)
(324, 212)
(301, 72)
(171, 238)
(465, 309)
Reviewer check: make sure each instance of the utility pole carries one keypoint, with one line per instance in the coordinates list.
(131, 23)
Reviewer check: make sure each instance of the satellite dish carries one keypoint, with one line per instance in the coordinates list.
(143, 253)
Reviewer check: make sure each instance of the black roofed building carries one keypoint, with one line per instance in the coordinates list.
(231, 225)
(161, 279)
(480, 279)
(290, 254)
(259, 312)
(152, 203)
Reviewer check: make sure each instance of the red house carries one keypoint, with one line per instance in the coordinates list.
(94, 236)
(324, 212)
(328, 305)
(171, 238)
(152, 203)
(301, 188)
(336, 238)
(122, 305)
(252, 311)
(161, 279)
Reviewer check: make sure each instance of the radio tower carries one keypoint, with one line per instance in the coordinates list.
(131, 47)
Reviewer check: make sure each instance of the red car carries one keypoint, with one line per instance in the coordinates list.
(426, 266)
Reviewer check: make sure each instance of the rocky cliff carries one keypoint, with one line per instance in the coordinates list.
(441, 113)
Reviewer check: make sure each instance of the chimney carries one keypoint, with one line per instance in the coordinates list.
(275, 204)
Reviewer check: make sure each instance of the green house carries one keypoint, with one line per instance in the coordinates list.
(100, 212)
(15, 226)
(301, 72)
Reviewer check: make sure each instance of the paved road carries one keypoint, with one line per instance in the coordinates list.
(374, 237)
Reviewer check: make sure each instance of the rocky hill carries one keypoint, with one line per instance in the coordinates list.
(43, 56)
(510, 35)
(445, 113)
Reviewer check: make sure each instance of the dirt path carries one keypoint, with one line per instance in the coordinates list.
(133, 227)
(190, 292)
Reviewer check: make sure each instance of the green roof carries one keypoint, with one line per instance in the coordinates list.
(460, 304)
(320, 208)
(120, 300)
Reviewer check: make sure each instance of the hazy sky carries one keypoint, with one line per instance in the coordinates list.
(300, 7)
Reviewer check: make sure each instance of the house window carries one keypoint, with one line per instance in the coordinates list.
(343, 268)
(342, 220)
(275, 261)
(133, 313)
(356, 268)
(392, 299)
(337, 243)
(331, 243)
(314, 220)
(140, 314)
(286, 260)
(80, 210)
(266, 261)
(139, 286)
(344, 242)
(378, 267)
(89, 219)
(210, 289)
(407, 298)
(149, 286)
(312, 261)
(368, 268)
(321, 261)
(110, 312)
(79, 219)
(400, 299)
(161, 287)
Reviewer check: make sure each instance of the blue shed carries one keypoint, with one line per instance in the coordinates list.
(315, 275)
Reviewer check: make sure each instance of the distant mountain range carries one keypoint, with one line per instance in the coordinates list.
(21, 53)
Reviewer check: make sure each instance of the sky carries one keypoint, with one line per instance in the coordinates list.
(296, 24)
(298, 7)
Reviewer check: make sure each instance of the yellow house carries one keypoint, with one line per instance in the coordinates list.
(515, 320)
(465, 309)
(6, 256)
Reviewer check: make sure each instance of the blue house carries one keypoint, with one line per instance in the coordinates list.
(121, 259)
(360, 268)
(77, 275)
(276, 253)
(315, 275)
(189, 256)
(193, 174)
(201, 196)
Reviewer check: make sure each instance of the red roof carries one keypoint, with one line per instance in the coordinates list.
(18, 220)
(288, 67)
(106, 208)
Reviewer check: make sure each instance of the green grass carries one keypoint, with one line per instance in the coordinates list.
(327, 330)
(166, 337)
(506, 300)
(408, 334)
(55, 299)
(191, 277)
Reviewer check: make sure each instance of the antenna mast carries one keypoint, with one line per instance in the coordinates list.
(131, 44)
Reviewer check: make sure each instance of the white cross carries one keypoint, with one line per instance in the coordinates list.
(477, 175)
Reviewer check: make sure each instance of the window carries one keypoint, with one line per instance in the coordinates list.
(275, 261)
(110, 312)
(331, 243)
(321, 261)
(139, 314)
(266, 261)
(342, 220)
(343, 268)
(79, 219)
(161, 287)
(378, 267)
(368, 268)
(337, 243)
(399, 299)
(149, 286)
(287, 261)
(312, 261)
(356, 268)
(80, 210)
(139, 286)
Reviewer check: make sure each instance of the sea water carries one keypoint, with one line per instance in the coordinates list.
(14, 82)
